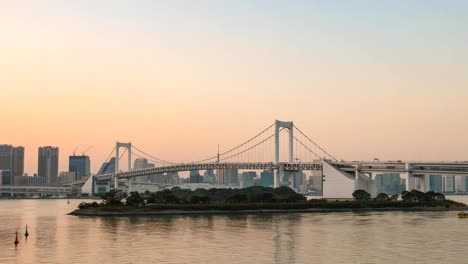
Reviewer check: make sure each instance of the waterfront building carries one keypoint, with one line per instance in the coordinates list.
(67, 177)
(389, 183)
(267, 178)
(48, 164)
(12, 159)
(17, 166)
(461, 183)
(433, 183)
(5, 177)
(32, 181)
(80, 165)
(449, 183)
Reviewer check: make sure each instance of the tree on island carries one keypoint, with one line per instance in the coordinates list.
(114, 197)
(382, 197)
(135, 199)
(419, 197)
(361, 195)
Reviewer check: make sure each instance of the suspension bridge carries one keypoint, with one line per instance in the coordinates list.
(284, 149)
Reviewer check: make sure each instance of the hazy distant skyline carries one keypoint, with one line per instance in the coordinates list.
(365, 79)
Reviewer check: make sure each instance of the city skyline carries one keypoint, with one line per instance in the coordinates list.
(377, 80)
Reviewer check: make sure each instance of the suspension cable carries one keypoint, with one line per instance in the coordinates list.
(235, 148)
(242, 152)
(153, 157)
(123, 153)
(300, 142)
(331, 156)
(110, 154)
(155, 161)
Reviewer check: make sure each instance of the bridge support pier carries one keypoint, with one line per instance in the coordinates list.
(410, 180)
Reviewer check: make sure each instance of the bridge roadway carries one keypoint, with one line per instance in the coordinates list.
(270, 166)
(54, 190)
(415, 168)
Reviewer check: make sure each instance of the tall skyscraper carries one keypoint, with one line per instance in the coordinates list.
(80, 165)
(17, 164)
(5, 157)
(48, 164)
(12, 159)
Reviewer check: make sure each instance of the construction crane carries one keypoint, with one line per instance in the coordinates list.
(86, 150)
(75, 150)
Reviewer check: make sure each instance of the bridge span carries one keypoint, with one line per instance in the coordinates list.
(263, 152)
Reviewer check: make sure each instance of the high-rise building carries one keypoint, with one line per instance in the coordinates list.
(449, 183)
(142, 163)
(80, 165)
(247, 179)
(461, 183)
(48, 164)
(195, 177)
(209, 177)
(433, 183)
(5, 157)
(12, 159)
(389, 183)
(266, 178)
(17, 163)
(227, 177)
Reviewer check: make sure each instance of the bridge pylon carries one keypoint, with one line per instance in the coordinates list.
(119, 145)
(290, 126)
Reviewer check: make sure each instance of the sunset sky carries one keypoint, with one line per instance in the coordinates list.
(365, 79)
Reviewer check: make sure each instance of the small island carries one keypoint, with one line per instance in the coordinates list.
(177, 201)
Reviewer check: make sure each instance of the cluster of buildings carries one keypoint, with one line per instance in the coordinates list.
(392, 183)
(79, 170)
(12, 168)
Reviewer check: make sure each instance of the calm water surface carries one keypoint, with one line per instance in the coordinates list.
(381, 237)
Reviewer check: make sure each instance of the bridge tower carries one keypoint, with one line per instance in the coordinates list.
(119, 145)
(290, 126)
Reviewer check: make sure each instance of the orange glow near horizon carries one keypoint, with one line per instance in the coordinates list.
(181, 83)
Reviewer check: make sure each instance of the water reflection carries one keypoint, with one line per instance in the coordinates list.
(371, 237)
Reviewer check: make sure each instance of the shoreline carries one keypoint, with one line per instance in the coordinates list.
(79, 212)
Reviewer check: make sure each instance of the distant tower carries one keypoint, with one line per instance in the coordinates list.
(48, 164)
